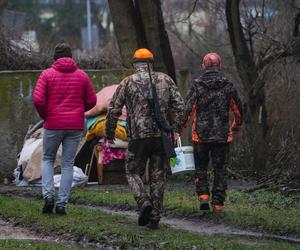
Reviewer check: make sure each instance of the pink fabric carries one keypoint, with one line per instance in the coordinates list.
(104, 97)
(110, 154)
(123, 117)
(62, 94)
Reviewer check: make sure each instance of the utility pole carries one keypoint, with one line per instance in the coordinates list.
(89, 23)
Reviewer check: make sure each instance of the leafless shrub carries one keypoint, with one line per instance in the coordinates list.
(12, 57)
(106, 57)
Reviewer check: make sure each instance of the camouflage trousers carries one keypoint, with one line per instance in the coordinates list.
(218, 152)
(139, 151)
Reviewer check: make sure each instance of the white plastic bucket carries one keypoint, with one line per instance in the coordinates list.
(184, 161)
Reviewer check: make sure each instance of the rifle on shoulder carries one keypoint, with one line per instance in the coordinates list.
(166, 130)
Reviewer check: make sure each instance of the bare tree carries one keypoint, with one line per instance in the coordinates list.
(252, 74)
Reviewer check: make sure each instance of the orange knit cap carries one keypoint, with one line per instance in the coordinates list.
(143, 55)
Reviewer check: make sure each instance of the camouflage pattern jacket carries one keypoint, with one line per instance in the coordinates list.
(208, 102)
(134, 92)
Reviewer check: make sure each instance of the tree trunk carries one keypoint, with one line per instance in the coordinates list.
(123, 16)
(248, 72)
(140, 24)
(156, 35)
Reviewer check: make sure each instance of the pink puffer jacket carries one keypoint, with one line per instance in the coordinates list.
(62, 94)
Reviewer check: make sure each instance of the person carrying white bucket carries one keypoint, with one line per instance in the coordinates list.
(184, 161)
(208, 101)
(153, 104)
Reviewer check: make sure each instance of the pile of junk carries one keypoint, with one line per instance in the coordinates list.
(96, 161)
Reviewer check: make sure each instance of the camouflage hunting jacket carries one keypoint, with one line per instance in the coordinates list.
(208, 101)
(134, 92)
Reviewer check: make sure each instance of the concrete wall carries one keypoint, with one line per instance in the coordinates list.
(17, 112)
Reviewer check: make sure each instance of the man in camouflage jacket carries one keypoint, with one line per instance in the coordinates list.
(208, 102)
(144, 136)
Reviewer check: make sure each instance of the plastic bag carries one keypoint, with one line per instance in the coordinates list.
(78, 178)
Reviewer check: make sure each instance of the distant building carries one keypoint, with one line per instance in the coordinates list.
(95, 37)
(13, 23)
(47, 2)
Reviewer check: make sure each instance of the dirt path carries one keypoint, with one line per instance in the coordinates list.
(7, 231)
(197, 224)
(11, 232)
(203, 227)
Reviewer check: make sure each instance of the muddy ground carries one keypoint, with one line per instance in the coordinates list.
(203, 226)
(8, 231)
(196, 223)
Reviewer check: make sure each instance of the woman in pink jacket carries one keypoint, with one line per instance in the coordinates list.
(61, 96)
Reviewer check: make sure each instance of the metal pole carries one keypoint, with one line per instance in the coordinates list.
(89, 24)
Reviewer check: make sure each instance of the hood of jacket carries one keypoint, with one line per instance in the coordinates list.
(65, 64)
(142, 67)
(213, 80)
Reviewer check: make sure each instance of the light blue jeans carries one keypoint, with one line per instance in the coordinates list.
(51, 141)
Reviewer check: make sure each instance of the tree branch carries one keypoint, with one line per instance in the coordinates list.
(193, 9)
(185, 43)
(297, 24)
(243, 60)
(289, 50)
(188, 16)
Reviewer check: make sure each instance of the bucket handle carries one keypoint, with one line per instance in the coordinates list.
(179, 142)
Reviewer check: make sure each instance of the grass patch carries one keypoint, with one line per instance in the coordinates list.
(110, 230)
(109, 196)
(31, 245)
(261, 210)
(265, 210)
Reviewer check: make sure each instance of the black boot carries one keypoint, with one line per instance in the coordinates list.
(48, 206)
(153, 224)
(204, 206)
(204, 202)
(145, 213)
(60, 210)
